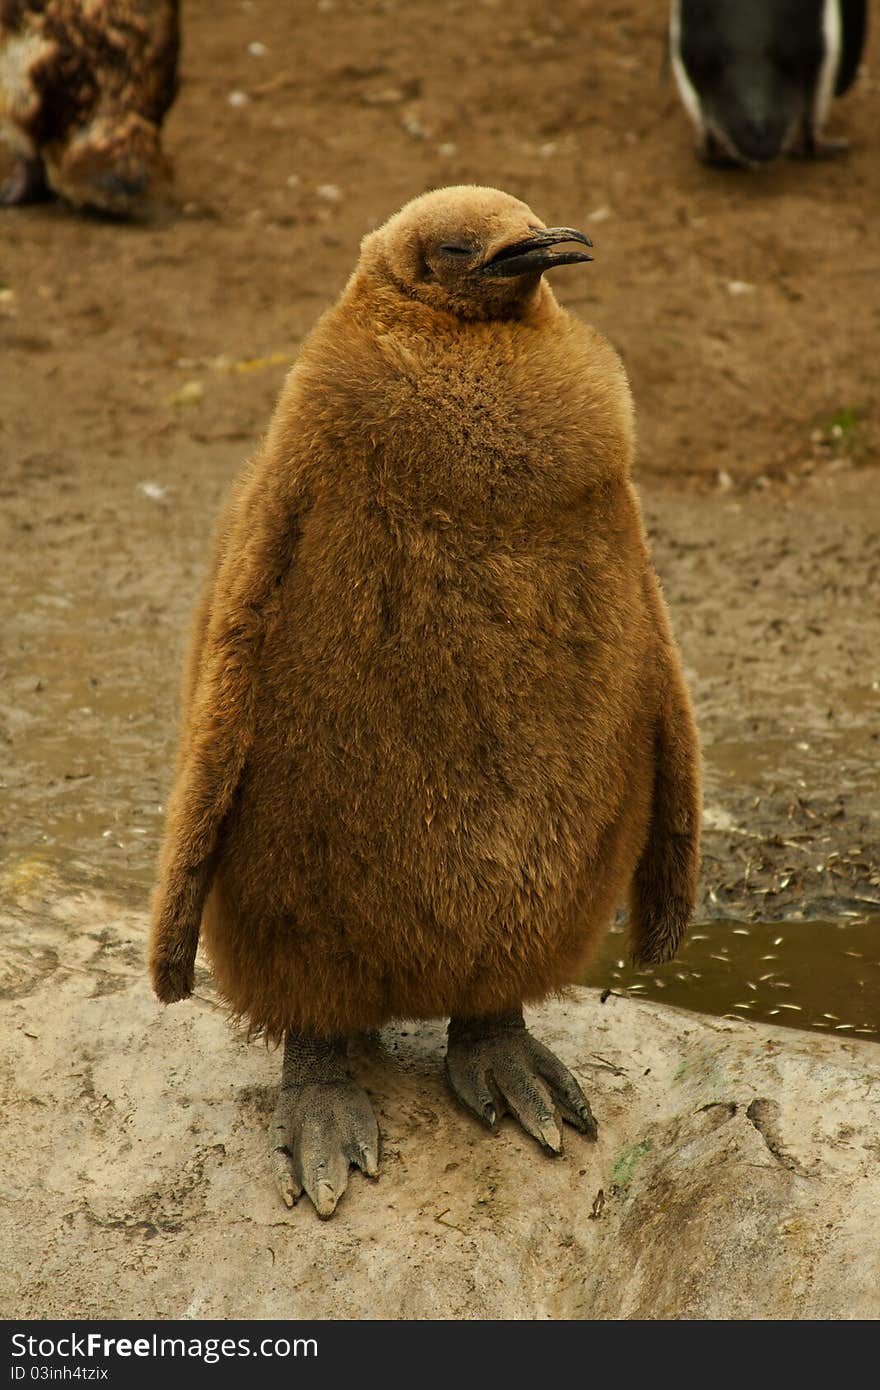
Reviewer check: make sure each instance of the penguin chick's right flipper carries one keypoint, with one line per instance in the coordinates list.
(323, 1124)
(664, 886)
(258, 540)
(494, 1066)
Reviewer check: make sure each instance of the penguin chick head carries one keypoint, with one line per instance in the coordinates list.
(108, 164)
(474, 252)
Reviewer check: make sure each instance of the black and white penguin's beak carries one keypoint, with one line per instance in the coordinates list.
(532, 256)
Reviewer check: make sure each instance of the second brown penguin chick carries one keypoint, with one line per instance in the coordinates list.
(435, 727)
(84, 88)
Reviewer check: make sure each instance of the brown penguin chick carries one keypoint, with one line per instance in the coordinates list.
(435, 726)
(84, 88)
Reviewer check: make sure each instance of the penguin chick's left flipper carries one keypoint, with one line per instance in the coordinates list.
(255, 550)
(323, 1123)
(664, 886)
(495, 1066)
(26, 184)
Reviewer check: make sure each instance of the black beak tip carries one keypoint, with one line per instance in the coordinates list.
(554, 235)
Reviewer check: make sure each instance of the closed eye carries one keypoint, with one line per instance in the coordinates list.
(455, 249)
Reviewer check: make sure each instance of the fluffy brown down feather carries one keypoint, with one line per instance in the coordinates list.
(435, 725)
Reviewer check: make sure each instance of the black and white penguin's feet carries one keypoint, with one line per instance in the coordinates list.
(710, 150)
(323, 1123)
(816, 146)
(495, 1066)
(26, 184)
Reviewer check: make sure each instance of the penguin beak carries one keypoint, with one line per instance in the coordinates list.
(532, 256)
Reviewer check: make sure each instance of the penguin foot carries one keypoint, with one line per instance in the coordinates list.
(26, 184)
(711, 151)
(495, 1067)
(818, 147)
(323, 1123)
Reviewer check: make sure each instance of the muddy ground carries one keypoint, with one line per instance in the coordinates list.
(141, 361)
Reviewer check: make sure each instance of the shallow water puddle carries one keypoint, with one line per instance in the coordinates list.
(811, 974)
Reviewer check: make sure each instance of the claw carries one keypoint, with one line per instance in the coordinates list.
(285, 1179)
(368, 1161)
(551, 1136)
(583, 1120)
(325, 1198)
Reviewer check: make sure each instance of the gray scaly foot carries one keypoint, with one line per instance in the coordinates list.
(323, 1123)
(494, 1066)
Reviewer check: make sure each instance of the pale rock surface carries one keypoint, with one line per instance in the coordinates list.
(739, 1163)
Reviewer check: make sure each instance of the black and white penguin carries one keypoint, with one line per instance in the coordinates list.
(757, 76)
